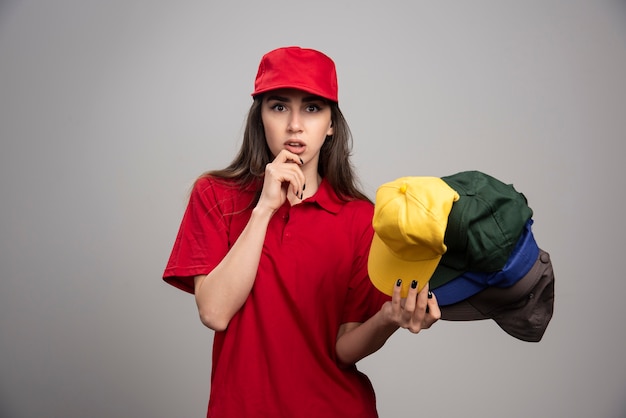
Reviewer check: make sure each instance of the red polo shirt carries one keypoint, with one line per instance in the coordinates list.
(277, 357)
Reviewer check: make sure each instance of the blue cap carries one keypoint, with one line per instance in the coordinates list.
(519, 263)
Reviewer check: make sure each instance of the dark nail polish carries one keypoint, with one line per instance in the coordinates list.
(301, 161)
(413, 284)
(303, 186)
(399, 282)
(430, 294)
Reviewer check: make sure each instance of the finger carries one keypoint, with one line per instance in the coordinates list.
(422, 298)
(286, 169)
(287, 156)
(434, 311)
(295, 178)
(284, 173)
(299, 185)
(419, 312)
(410, 303)
(396, 296)
(279, 178)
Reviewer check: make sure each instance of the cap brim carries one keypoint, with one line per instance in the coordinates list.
(461, 311)
(308, 89)
(457, 290)
(385, 269)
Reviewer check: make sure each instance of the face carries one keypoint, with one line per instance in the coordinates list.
(296, 121)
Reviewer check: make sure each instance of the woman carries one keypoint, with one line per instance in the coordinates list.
(275, 247)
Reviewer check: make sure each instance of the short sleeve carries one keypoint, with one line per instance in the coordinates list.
(202, 239)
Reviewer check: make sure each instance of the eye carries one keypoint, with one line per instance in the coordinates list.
(279, 107)
(313, 108)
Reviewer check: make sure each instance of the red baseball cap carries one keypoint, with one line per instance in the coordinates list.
(298, 68)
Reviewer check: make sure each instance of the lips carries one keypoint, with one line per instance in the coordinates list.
(295, 146)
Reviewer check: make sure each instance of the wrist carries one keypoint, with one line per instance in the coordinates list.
(262, 212)
(385, 323)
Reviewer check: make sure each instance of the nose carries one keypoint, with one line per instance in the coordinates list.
(295, 124)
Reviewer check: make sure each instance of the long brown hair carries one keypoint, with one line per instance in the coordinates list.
(248, 166)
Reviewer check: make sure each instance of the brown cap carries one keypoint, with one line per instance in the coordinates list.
(522, 310)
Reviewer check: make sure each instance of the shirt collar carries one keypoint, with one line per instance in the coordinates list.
(326, 198)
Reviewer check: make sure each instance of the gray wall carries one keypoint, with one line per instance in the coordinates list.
(109, 110)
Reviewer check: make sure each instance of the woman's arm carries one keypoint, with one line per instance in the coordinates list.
(418, 311)
(221, 293)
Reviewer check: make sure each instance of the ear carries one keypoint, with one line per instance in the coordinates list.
(330, 130)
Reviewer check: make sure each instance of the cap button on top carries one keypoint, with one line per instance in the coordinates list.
(403, 188)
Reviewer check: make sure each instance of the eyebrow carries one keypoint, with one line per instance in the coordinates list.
(312, 98)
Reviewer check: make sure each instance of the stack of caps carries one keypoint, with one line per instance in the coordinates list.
(469, 236)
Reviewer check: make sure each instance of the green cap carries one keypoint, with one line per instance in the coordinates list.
(483, 226)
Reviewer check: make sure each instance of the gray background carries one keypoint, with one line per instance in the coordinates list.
(109, 110)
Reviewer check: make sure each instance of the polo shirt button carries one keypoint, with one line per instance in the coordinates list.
(544, 257)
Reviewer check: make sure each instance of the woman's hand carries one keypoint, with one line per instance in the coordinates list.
(418, 311)
(281, 175)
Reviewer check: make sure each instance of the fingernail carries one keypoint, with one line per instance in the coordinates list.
(303, 186)
(301, 162)
(430, 294)
(399, 282)
(413, 284)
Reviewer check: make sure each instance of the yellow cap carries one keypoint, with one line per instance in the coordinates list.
(410, 220)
